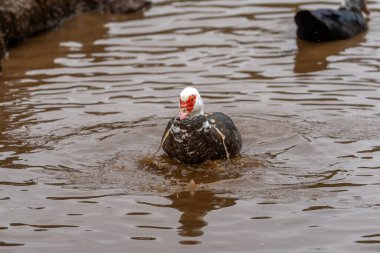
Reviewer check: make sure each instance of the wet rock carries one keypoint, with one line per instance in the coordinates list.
(20, 19)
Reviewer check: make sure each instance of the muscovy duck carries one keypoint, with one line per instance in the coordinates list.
(194, 136)
(327, 24)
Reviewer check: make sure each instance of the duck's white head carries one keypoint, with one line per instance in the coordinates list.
(356, 4)
(190, 103)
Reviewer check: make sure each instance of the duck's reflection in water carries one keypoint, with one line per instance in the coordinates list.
(194, 206)
(313, 56)
(194, 196)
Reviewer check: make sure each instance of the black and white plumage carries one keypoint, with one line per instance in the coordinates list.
(195, 137)
(327, 24)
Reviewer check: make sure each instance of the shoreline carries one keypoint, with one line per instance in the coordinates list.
(21, 19)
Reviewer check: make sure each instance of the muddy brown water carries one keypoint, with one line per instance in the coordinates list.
(83, 109)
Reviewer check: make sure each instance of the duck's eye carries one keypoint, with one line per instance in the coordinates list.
(192, 98)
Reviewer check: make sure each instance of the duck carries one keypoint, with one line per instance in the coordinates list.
(193, 136)
(327, 24)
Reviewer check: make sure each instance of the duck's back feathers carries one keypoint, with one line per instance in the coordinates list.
(326, 24)
(200, 138)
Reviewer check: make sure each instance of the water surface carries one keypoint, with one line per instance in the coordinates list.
(83, 109)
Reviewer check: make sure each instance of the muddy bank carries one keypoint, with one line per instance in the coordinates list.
(23, 18)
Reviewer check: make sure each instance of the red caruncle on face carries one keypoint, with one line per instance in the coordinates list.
(189, 104)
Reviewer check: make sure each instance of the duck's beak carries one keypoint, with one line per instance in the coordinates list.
(182, 113)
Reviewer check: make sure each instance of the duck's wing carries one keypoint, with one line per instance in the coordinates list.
(165, 135)
(225, 134)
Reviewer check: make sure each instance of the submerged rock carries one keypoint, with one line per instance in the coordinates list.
(20, 19)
